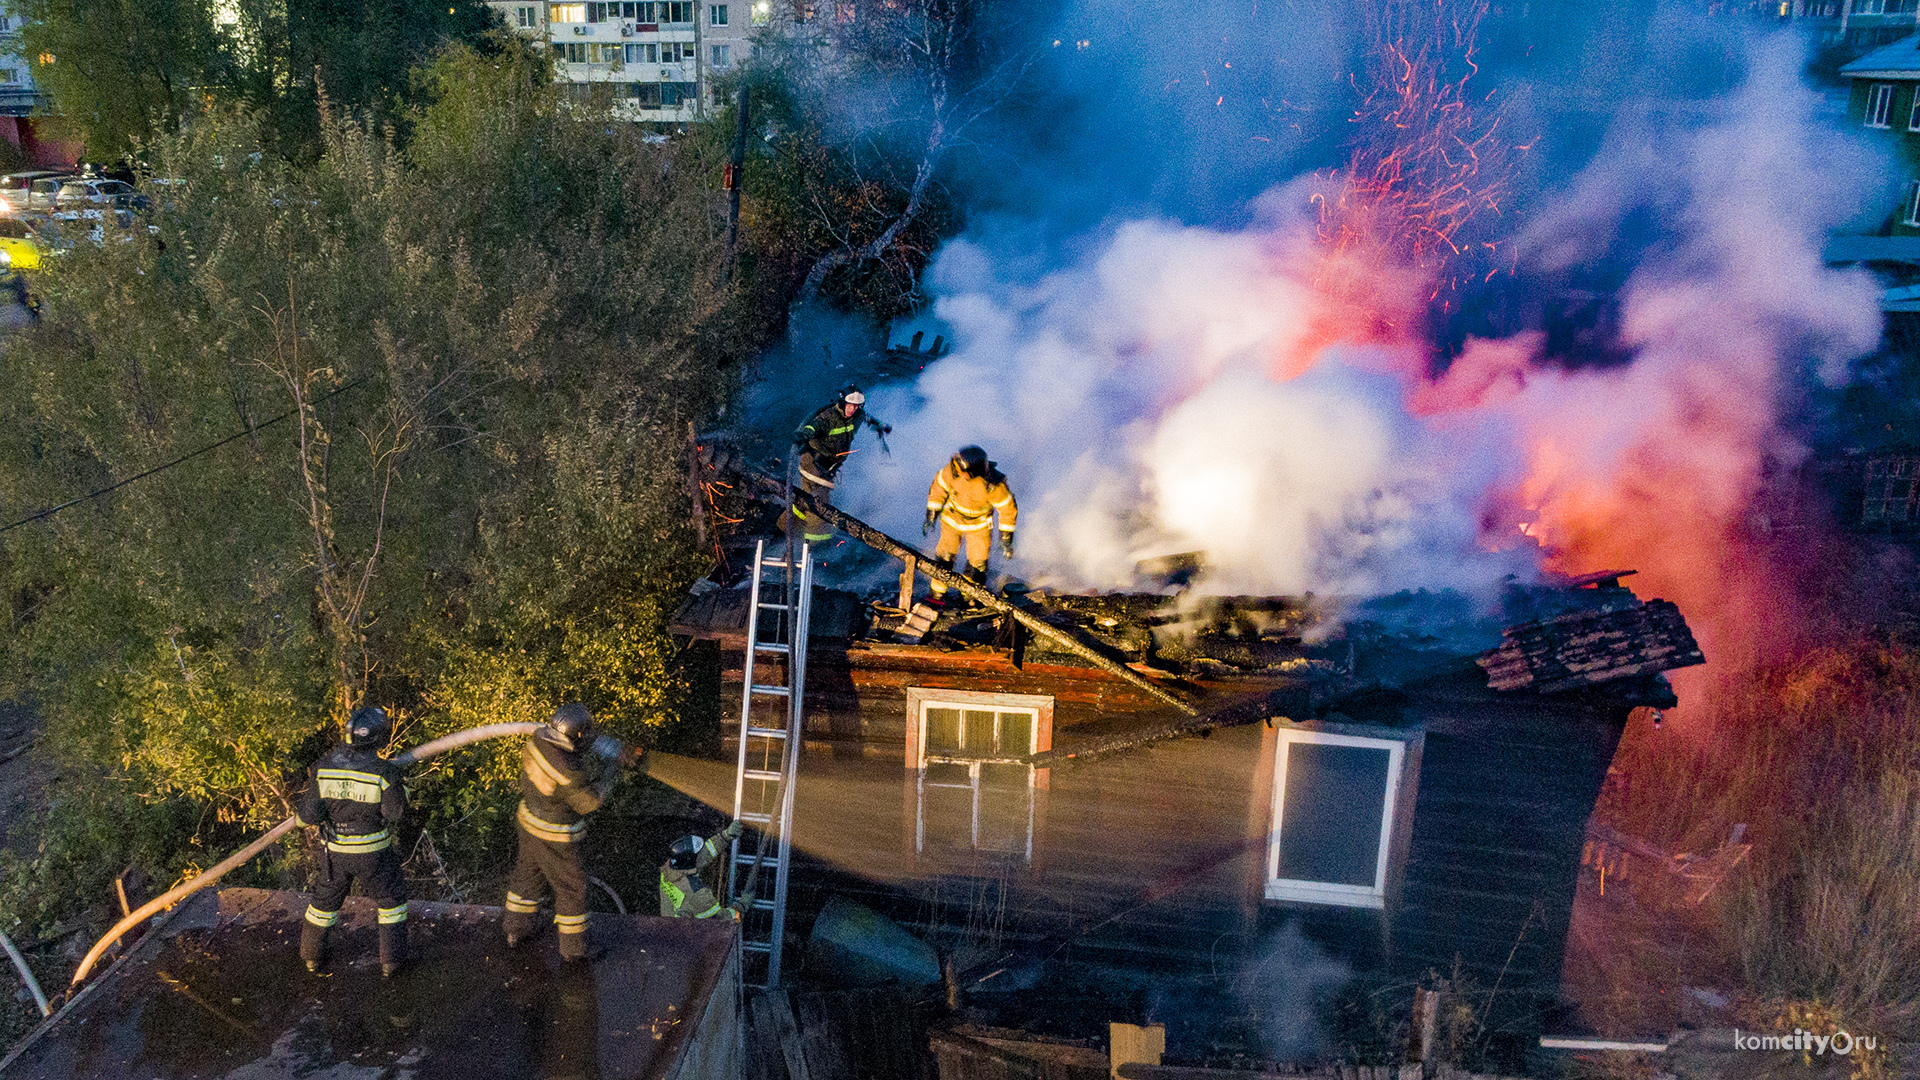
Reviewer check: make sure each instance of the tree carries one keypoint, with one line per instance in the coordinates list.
(869, 101)
(120, 73)
(464, 370)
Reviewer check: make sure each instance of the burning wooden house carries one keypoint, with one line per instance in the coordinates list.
(1410, 804)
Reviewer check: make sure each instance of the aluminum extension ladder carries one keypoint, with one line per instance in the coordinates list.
(771, 726)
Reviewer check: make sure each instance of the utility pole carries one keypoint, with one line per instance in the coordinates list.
(736, 179)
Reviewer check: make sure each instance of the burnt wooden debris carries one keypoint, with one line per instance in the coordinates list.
(1586, 648)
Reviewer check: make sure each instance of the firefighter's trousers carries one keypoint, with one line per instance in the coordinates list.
(816, 479)
(977, 543)
(543, 863)
(380, 879)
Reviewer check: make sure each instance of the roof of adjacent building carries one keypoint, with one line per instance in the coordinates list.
(1586, 648)
(221, 992)
(1899, 60)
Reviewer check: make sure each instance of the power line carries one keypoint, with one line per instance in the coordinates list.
(176, 461)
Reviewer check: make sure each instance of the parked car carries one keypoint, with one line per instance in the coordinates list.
(13, 186)
(42, 192)
(97, 193)
(21, 246)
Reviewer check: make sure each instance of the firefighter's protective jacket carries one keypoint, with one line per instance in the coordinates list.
(685, 894)
(829, 434)
(355, 796)
(557, 790)
(968, 503)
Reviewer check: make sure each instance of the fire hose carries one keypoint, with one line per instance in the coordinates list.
(240, 858)
(26, 973)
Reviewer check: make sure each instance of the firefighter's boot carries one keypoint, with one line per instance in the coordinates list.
(313, 937)
(393, 939)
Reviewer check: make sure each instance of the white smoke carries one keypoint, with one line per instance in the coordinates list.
(1128, 400)
(1145, 397)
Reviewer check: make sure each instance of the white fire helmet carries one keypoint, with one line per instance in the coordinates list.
(853, 397)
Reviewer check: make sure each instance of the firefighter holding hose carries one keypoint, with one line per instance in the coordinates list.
(566, 773)
(356, 798)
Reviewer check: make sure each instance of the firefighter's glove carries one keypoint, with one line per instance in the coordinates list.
(927, 525)
(886, 429)
(1006, 544)
(744, 903)
(633, 757)
(732, 831)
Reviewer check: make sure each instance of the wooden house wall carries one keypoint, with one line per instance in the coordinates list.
(1163, 848)
(1506, 787)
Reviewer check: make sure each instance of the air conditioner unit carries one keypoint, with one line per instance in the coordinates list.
(626, 29)
(580, 30)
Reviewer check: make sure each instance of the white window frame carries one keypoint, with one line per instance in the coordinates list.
(1912, 216)
(717, 14)
(1037, 708)
(527, 16)
(1322, 892)
(1879, 103)
(722, 55)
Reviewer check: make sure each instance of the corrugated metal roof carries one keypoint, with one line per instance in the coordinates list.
(1900, 60)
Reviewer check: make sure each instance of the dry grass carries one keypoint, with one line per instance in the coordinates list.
(1820, 757)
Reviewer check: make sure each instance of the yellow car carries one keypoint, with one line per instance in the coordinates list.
(20, 245)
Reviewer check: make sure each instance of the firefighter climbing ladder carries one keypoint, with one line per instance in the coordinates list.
(771, 725)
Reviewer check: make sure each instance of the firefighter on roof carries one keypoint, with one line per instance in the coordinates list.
(684, 893)
(356, 798)
(963, 499)
(566, 772)
(824, 443)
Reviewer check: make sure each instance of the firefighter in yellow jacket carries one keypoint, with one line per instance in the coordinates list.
(963, 499)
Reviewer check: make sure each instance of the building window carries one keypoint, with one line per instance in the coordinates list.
(675, 11)
(603, 54)
(1913, 204)
(1879, 100)
(648, 53)
(526, 18)
(1869, 7)
(567, 13)
(972, 795)
(722, 55)
(570, 52)
(716, 14)
(1333, 810)
(9, 76)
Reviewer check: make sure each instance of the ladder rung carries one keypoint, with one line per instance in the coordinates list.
(772, 647)
(773, 607)
(767, 732)
(756, 946)
(768, 688)
(753, 818)
(763, 774)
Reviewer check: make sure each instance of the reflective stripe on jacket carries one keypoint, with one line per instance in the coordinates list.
(556, 790)
(968, 503)
(355, 794)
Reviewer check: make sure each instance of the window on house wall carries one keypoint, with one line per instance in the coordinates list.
(648, 53)
(644, 95)
(604, 54)
(1333, 811)
(567, 13)
(972, 796)
(722, 55)
(675, 94)
(9, 76)
(526, 18)
(1912, 216)
(1879, 100)
(1869, 7)
(716, 14)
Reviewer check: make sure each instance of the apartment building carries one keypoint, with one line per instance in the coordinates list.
(654, 59)
(18, 95)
